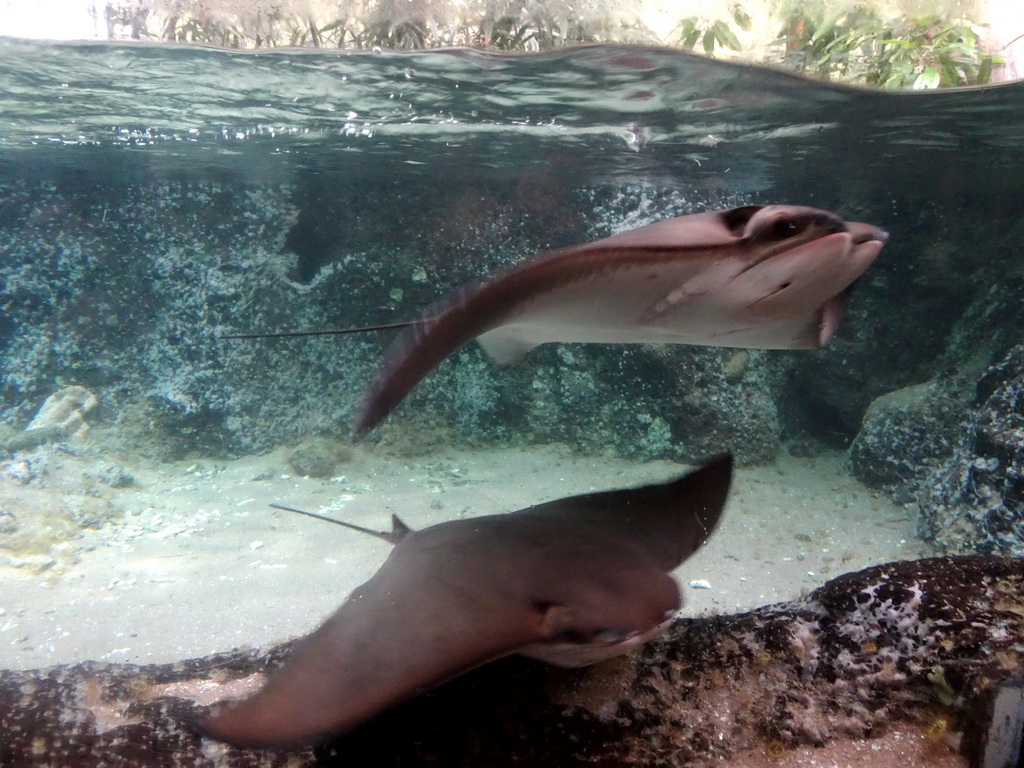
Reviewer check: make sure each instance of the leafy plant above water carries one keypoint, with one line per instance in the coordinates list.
(852, 44)
(505, 25)
(712, 32)
(927, 53)
(859, 46)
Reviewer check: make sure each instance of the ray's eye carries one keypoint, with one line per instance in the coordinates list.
(785, 227)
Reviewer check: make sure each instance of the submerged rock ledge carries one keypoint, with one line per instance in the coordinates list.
(925, 642)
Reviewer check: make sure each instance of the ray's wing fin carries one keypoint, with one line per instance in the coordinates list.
(397, 635)
(471, 311)
(419, 348)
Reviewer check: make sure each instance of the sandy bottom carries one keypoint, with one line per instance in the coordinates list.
(901, 745)
(193, 560)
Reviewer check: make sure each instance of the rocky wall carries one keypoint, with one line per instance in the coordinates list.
(952, 446)
(924, 645)
(128, 291)
(976, 499)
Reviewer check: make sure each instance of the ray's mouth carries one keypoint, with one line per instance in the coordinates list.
(865, 233)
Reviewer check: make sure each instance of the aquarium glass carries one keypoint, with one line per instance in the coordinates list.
(158, 200)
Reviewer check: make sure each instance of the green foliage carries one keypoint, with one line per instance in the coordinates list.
(852, 44)
(928, 53)
(859, 46)
(504, 25)
(507, 34)
(825, 44)
(712, 33)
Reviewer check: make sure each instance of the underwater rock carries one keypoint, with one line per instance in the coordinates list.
(87, 511)
(27, 468)
(924, 643)
(65, 410)
(736, 366)
(114, 475)
(8, 521)
(927, 273)
(35, 564)
(61, 417)
(96, 714)
(319, 457)
(276, 257)
(117, 308)
(642, 402)
(903, 436)
(33, 438)
(976, 501)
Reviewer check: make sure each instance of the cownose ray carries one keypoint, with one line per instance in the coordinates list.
(570, 582)
(759, 277)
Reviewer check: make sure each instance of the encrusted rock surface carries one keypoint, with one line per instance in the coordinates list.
(954, 444)
(128, 290)
(67, 409)
(638, 401)
(905, 433)
(976, 501)
(917, 641)
(319, 457)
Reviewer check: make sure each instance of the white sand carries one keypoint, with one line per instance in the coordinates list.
(197, 562)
